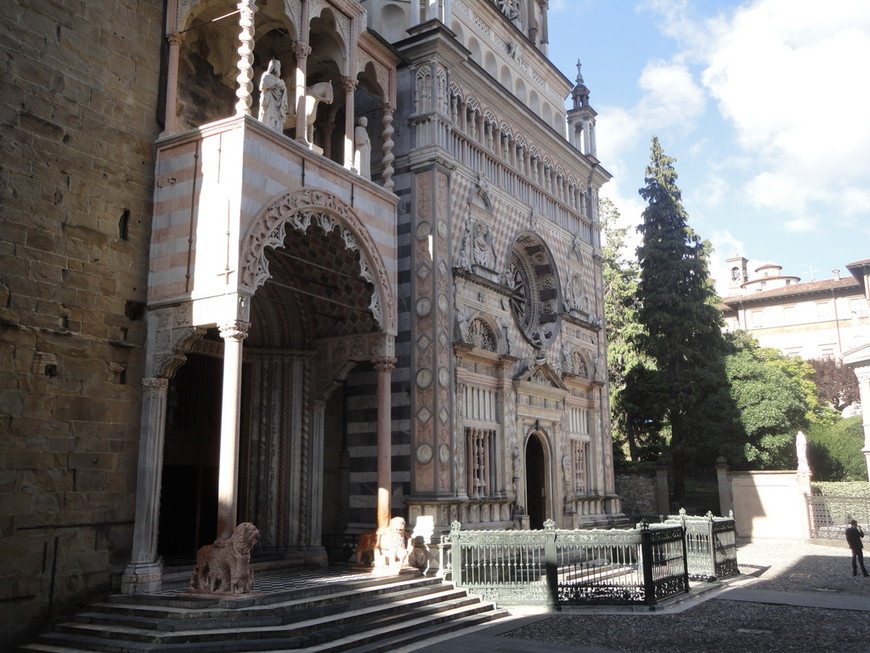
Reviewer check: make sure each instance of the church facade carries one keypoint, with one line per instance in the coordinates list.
(309, 264)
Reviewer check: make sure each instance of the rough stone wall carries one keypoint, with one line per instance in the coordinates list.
(638, 493)
(78, 104)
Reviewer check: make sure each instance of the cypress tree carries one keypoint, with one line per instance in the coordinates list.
(682, 325)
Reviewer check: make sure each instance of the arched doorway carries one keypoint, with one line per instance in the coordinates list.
(536, 481)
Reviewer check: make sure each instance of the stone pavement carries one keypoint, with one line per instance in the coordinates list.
(790, 596)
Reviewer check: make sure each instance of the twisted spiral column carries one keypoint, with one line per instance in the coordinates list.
(247, 8)
(387, 156)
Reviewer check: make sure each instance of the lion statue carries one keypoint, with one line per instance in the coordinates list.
(225, 566)
(385, 547)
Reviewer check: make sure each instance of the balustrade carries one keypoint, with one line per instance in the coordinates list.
(478, 144)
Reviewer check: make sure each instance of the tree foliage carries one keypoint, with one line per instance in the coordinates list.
(837, 383)
(682, 325)
(775, 401)
(834, 451)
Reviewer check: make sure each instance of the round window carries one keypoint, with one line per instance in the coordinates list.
(534, 298)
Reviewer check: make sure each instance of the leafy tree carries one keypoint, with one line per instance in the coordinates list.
(837, 383)
(682, 324)
(834, 451)
(621, 277)
(774, 400)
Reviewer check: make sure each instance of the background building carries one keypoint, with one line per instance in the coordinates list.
(811, 319)
(205, 320)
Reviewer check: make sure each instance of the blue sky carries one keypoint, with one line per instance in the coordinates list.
(763, 104)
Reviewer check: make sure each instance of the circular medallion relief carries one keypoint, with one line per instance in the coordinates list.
(424, 306)
(424, 378)
(424, 453)
(533, 283)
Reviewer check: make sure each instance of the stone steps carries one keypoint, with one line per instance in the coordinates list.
(367, 615)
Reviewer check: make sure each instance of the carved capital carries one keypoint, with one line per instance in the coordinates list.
(384, 364)
(175, 39)
(301, 50)
(235, 330)
(155, 383)
(349, 84)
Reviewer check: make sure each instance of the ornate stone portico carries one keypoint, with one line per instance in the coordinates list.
(333, 349)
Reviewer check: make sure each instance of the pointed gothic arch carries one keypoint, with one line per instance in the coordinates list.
(300, 209)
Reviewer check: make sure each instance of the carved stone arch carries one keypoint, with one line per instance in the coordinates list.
(455, 91)
(506, 129)
(423, 89)
(473, 104)
(490, 117)
(521, 141)
(332, 45)
(373, 76)
(542, 435)
(299, 210)
(478, 196)
(484, 332)
(582, 364)
(440, 90)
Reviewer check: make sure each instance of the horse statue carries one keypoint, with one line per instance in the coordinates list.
(314, 95)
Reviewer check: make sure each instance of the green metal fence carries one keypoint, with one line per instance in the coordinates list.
(643, 565)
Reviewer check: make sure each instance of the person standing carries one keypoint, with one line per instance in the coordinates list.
(853, 539)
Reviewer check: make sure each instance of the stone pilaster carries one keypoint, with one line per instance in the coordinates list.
(144, 573)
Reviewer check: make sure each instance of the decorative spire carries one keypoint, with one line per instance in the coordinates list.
(580, 94)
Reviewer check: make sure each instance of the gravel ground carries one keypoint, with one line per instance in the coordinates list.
(738, 626)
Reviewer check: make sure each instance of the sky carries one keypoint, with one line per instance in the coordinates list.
(762, 103)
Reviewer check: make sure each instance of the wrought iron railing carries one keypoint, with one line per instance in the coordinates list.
(633, 566)
(711, 545)
(830, 516)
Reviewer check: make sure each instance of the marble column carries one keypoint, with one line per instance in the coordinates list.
(349, 84)
(301, 50)
(384, 368)
(170, 121)
(234, 335)
(144, 573)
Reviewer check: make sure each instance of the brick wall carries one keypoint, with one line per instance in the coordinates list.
(78, 106)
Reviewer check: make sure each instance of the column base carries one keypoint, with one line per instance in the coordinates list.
(142, 577)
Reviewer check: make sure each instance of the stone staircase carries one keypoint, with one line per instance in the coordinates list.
(359, 613)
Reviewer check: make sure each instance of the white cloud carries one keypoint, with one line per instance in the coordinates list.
(788, 77)
(673, 97)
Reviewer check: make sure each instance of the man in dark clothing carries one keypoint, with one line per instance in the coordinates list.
(853, 539)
